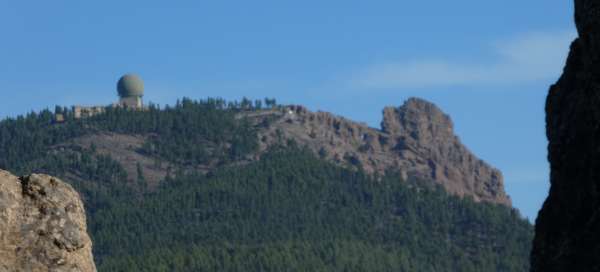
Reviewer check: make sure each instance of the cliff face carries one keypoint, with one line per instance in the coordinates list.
(568, 226)
(416, 139)
(42, 226)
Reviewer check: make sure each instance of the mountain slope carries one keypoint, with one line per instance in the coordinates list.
(210, 185)
(292, 211)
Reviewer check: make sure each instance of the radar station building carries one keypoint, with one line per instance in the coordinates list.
(130, 89)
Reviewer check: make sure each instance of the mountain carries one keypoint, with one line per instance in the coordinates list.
(43, 226)
(567, 228)
(416, 139)
(235, 186)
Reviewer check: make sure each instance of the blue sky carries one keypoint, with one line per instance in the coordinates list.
(487, 63)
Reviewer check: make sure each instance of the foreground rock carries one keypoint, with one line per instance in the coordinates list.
(416, 139)
(568, 226)
(42, 226)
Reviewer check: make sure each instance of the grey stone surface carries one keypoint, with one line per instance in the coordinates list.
(42, 226)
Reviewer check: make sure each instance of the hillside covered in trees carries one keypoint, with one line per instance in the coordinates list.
(286, 210)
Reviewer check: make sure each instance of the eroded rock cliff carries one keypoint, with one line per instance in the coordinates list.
(416, 139)
(568, 226)
(42, 226)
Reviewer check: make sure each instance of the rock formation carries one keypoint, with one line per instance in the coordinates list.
(42, 226)
(568, 226)
(416, 139)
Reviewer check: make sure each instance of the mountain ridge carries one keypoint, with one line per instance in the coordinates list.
(216, 185)
(417, 139)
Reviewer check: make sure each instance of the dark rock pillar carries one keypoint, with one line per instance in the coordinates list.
(568, 226)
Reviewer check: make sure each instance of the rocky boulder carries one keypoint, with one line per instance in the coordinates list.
(42, 226)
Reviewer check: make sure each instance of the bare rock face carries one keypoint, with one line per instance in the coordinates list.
(416, 139)
(42, 226)
(567, 234)
(419, 129)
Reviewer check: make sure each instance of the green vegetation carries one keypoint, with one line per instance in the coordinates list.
(191, 132)
(289, 211)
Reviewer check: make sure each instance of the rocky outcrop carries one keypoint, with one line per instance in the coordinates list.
(568, 226)
(416, 139)
(42, 226)
(421, 130)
